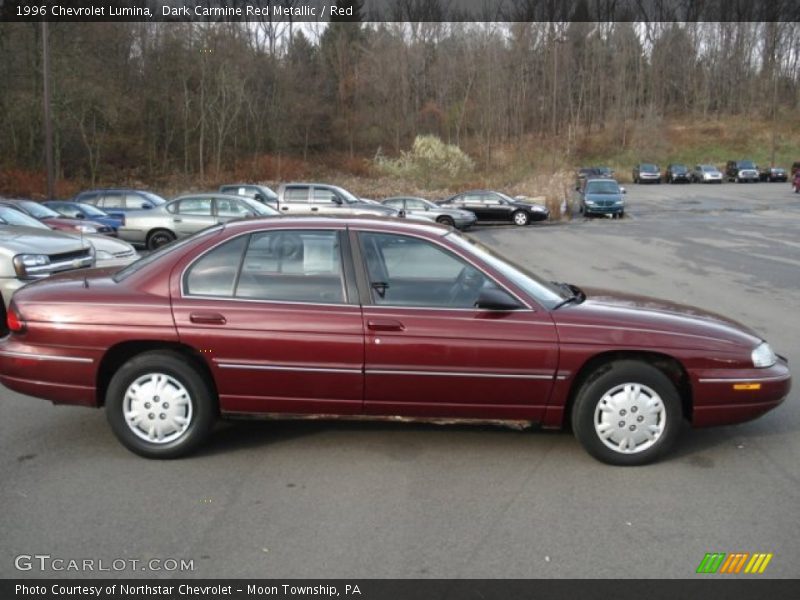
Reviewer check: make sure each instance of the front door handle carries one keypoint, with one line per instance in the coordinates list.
(314, 209)
(208, 318)
(177, 220)
(284, 208)
(385, 325)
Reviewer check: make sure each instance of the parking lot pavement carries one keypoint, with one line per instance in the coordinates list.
(394, 500)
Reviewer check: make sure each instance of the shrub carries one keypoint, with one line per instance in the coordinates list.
(429, 161)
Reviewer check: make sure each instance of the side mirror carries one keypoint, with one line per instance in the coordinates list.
(496, 299)
(80, 215)
(259, 197)
(337, 200)
(401, 213)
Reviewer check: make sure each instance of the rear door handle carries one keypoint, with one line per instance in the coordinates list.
(176, 220)
(314, 209)
(284, 208)
(208, 318)
(385, 325)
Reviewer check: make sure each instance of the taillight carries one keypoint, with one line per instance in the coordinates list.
(14, 320)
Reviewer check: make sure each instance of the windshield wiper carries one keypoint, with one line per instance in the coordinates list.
(576, 295)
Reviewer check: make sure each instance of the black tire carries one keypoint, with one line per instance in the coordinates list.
(612, 376)
(520, 218)
(445, 220)
(201, 409)
(158, 238)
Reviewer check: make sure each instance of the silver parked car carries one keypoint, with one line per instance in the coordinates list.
(186, 215)
(412, 205)
(108, 251)
(325, 199)
(706, 174)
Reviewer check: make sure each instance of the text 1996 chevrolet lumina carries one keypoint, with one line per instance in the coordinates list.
(375, 318)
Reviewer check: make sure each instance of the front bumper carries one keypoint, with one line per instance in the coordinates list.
(603, 210)
(725, 396)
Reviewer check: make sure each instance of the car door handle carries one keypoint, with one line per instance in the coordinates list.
(385, 325)
(314, 209)
(208, 318)
(176, 220)
(284, 208)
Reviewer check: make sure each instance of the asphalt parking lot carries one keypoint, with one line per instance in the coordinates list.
(356, 500)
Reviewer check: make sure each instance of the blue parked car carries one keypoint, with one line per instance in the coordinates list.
(80, 210)
(119, 201)
(602, 197)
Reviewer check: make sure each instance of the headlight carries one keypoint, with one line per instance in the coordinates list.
(590, 202)
(26, 265)
(86, 228)
(763, 356)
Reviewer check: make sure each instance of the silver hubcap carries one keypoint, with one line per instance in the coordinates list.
(158, 408)
(520, 219)
(630, 418)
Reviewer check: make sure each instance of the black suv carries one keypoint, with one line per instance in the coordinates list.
(676, 173)
(741, 170)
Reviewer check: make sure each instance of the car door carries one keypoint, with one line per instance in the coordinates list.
(193, 214)
(325, 201)
(415, 207)
(476, 202)
(295, 200)
(276, 316)
(429, 352)
(498, 208)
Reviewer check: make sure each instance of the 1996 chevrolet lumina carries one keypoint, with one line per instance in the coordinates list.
(375, 318)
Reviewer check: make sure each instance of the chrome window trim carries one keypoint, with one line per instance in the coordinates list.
(30, 355)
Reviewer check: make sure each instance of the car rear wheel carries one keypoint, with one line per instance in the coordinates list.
(159, 406)
(627, 413)
(158, 238)
(520, 218)
(444, 220)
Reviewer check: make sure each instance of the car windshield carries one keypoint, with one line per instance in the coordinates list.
(708, 168)
(504, 197)
(348, 197)
(747, 164)
(91, 211)
(648, 168)
(678, 169)
(163, 251)
(37, 210)
(602, 187)
(604, 170)
(154, 198)
(12, 216)
(260, 209)
(545, 292)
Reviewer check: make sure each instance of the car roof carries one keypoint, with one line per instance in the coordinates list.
(602, 179)
(388, 224)
(222, 195)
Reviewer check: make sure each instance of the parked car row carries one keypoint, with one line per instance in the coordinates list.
(735, 170)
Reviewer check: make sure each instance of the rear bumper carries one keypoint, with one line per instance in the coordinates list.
(61, 375)
(723, 397)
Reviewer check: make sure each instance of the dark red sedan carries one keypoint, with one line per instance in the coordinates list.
(302, 317)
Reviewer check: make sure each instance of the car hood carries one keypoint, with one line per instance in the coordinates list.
(59, 222)
(599, 197)
(32, 240)
(643, 321)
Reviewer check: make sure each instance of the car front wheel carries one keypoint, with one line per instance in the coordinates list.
(627, 413)
(520, 218)
(159, 406)
(446, 221)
